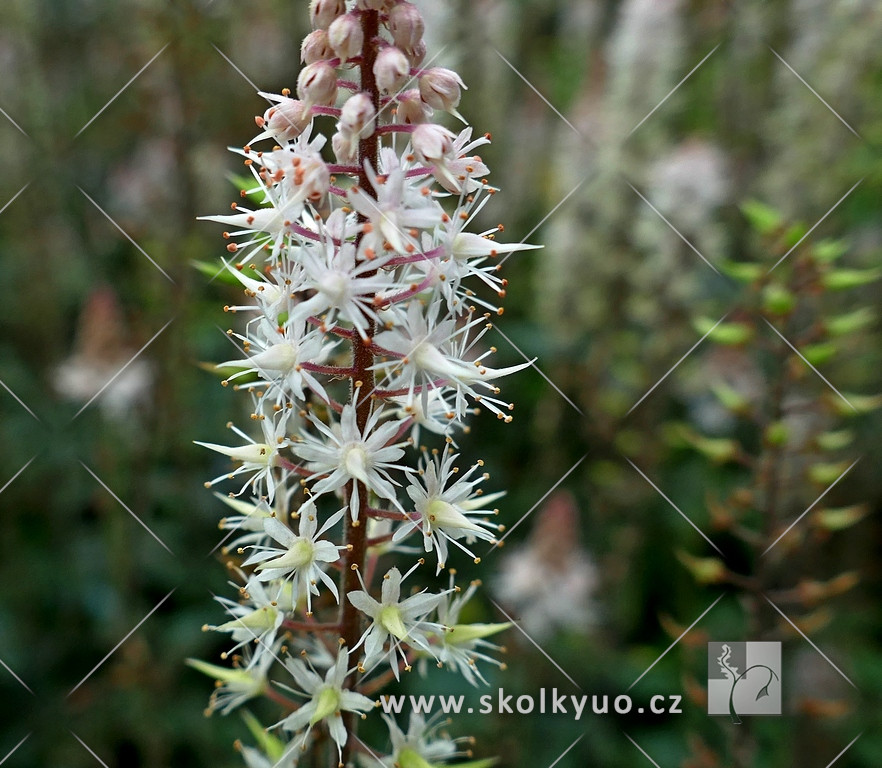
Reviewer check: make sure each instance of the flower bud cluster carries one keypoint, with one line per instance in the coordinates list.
(364, 333)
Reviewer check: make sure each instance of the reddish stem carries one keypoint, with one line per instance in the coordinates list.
(362, 382)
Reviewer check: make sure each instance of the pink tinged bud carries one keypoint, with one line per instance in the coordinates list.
(317, 84)
(286, 120)
(432, 144)
(358, 116)
(316, 47)
(391, 69)
(406, 25)
(440, 88)
(412, 110)
(346, 36)
(417, 54)
(370, 5)
(345, 146)
(323, 12)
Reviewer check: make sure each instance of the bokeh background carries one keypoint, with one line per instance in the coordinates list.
(628, 137)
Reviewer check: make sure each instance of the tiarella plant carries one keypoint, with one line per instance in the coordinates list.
(368, 300)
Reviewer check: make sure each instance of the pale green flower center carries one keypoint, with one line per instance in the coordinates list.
(356, 462)
(389, 619)
(409, 758)
(336, 287)
(259, 620)
(300, 554)
(442, 514)
(327, 703)
(279, 357)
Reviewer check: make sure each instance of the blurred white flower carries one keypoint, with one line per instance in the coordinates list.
(548, 580)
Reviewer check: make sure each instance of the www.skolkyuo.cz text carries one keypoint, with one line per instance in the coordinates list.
(543, 703)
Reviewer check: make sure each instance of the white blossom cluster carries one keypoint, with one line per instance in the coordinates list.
(367, 301)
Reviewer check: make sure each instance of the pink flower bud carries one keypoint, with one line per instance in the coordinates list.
(358, 115)
(417, 54)
(412, 109)
(286, 120)
(316, 47)
(317, 84)
(391, 69)
(346, 36)
(323, 12)
(406, 25)
(345, 146)
(432, 144)
(440, 88)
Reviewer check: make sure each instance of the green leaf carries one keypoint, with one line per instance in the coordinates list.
(743, 271)
(718, 449)
(778, 300)
(763, 692)
(794, 234)
(243, 183)
(763, 218)
(731, 399)
(841, 325)
(835, 441)
(705, 570)
(728, 334)
(845, 279)
(840, 518)
(861, 403)
(826, 472)
(818, 354)
(777, 434)
(216, 272)
(829, 250)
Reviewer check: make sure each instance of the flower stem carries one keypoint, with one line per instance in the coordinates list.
(362, 385)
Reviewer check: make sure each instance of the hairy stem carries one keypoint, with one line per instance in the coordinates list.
(362, 386)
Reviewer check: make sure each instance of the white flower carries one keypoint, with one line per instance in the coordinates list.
(283, 359)
(394, 619)
(431, 355)
(458, 171)
(259, 458)
(250, 520)
(255, 621)
(342, 285)
(420, 747)
(327, 699)
(245, 680)
(346, 454)
(460, 645)
(300, 555)
(266, 227)
(283, 121)
(449, 506)
(271, 297)
(395, 208)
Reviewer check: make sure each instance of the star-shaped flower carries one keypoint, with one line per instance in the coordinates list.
(347, 453)
(394, 619)
(328, 699)
(300, 556)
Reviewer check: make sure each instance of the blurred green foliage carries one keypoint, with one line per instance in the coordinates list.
(613, 301)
